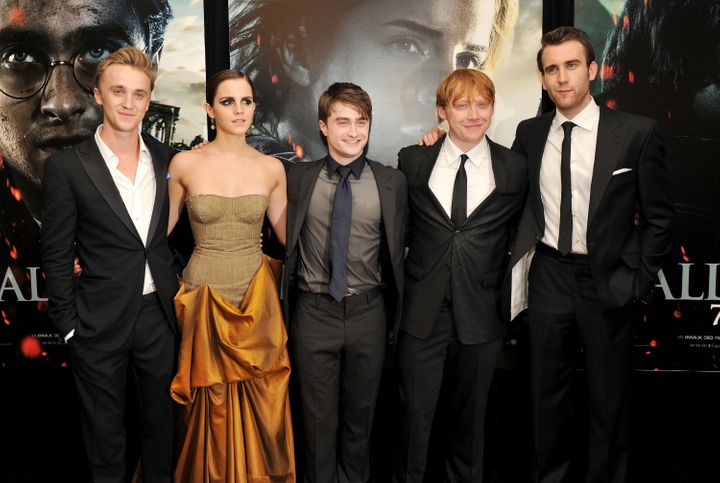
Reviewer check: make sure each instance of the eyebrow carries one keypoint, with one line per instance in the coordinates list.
(430, 32)
(12, 35)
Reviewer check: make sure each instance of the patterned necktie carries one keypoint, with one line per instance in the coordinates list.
(340, 235)
(458, 211)
(566, 222)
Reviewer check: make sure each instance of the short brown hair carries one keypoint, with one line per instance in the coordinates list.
(132, 57)
(565, 34)
(468, 83)
(346, 93)
(220, 77)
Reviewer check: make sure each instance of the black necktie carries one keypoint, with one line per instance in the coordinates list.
(458, 210)
(566, 222)
(340, 235)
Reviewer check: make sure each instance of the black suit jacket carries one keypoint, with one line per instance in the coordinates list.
(472, 257)
(631, 209)
(392, 190)
(82, 205)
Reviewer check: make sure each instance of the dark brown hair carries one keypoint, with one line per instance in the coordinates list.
(347, 93)
(565, 34)
(220, 77)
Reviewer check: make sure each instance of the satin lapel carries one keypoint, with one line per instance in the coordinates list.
(160, 167)
(387, 205)
(427, 163)
(535, 151)
(610, 142)
(98, 172)
(307, 177)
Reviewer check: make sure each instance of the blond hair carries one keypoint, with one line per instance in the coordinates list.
(132, 57)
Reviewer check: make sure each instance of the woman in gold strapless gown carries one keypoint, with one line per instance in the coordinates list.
(233, 369)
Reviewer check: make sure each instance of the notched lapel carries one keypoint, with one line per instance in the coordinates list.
(160, 167)
(96, 169)
(426, 164)
(610, 143)
(387, 198)
(307, 176)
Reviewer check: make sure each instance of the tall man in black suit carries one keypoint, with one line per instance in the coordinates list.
(463, 194)
(343, 285)
(107, 196)
(596, 227)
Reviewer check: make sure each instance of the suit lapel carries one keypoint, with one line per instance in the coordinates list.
(426, 165)
(535, 151)
(306, 179)
(387, 201)
(610, 142)
(160, 167)
(98, 172)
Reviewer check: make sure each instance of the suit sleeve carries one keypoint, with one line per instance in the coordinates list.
(655, 207)
(407, 218)
(59, 215)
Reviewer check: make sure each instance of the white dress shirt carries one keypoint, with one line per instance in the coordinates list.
(478, 167)
(582, 161)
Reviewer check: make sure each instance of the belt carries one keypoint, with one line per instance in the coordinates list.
(351, 299)
(569, 258)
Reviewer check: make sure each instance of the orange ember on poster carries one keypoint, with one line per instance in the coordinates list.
(299, 152)
(653, 343)
(606, 72)
(13, 252)
(611, 104)
(16, 193)
(677, 314)
(63, 364)
(626, 22)
(4, 317)
(631, 77)
(669, 115)
(615, 20)
(647, 353)
(17, 16)
(30, 347)
(42, 306)
(645, 2)
(274, 79)
(290, 141)
(684, 254)
(258, 41)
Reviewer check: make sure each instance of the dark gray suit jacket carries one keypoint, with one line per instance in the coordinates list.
(392, 190)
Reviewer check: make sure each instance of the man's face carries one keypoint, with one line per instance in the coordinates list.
(347, 132)
(566, 76)
(398, 51)
(124, 95)
(468, 119)
(34, 32)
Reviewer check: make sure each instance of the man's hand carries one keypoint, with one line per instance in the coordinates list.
(200, 146)
(77, 269)
(432, 136)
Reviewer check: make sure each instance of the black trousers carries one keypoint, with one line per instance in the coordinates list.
(101, 377)
(466, 371)
(338, 351)
(565, 314)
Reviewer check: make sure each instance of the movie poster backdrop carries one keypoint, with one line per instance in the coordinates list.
(659, 59)
(45, 108)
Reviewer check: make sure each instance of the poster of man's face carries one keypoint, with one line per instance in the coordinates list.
(397, 50)
(49, 52)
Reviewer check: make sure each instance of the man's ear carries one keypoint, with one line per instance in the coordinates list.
(293, 56)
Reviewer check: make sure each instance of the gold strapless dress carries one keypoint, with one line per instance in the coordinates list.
(233, 369)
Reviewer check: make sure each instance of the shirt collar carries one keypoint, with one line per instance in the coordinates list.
(356, 166)
(586, 119)
(476, 155)
(110, 158)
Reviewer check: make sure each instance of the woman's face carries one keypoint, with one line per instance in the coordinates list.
(233, 106)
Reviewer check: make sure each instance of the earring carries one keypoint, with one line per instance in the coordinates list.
(212, 123)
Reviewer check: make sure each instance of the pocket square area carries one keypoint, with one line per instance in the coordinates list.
(621, 171)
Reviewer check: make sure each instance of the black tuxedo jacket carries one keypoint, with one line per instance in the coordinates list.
(631, 208)
(81, 205)
(392, 190)
(472, 257)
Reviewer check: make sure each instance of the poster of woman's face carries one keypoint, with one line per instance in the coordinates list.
(397, 50)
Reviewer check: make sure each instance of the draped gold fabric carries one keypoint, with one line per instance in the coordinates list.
(233, 379)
